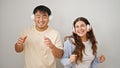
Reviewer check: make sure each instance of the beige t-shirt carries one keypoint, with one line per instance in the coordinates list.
(37, 55)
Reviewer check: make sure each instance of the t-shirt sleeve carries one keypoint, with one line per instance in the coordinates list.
(58, 42)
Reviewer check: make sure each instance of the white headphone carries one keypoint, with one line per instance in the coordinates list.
(32, 16)
(73, 29)
(89, 27)
(50, 17)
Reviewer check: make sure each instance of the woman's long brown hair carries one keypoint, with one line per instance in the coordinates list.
(80, 48)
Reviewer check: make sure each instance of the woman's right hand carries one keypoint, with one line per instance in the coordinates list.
(73, 58)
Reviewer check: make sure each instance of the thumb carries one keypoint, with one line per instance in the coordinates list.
(24, 38)
(46, 38)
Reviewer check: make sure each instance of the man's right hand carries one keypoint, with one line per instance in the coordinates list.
(21, 40)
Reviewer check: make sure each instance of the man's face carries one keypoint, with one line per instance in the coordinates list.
(41, 20)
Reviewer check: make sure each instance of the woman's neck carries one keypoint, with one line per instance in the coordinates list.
(84, 38)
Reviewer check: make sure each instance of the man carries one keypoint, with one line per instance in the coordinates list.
(41, 43)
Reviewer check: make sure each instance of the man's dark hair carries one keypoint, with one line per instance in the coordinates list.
(43, 9)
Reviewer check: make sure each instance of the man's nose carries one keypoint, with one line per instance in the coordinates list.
(41, 19)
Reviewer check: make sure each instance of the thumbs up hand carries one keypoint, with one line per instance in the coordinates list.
(21, 40)
(48, 42)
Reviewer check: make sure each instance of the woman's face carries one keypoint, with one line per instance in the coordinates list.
(81, 29)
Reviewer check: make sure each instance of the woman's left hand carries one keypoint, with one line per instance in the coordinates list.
(101, 58)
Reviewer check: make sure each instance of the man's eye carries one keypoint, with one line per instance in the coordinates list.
(38, 17)
(44, 16)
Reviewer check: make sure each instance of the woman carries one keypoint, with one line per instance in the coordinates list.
(80, 48)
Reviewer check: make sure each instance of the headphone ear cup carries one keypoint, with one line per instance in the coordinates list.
(50, 17)
(89, 28)
(32, 16)
(73, 30)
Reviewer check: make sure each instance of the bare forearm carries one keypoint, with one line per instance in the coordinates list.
(18, 48)
(57, 52)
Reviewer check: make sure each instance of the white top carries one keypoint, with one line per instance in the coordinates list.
(37, 55)
(87, 56)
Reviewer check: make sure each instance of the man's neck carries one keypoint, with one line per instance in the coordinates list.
(41, 29)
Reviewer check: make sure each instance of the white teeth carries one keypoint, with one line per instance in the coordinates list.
(40, 23)
(80, 32)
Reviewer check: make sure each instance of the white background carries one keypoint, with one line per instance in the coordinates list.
(104, 16)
